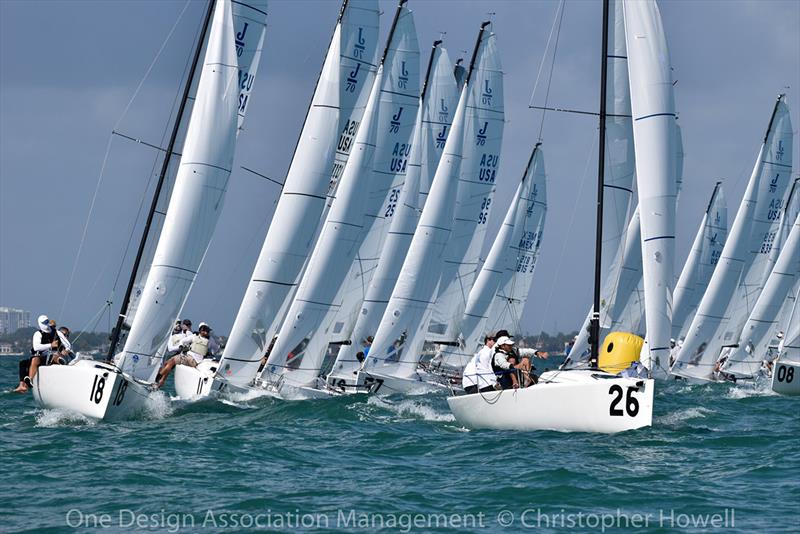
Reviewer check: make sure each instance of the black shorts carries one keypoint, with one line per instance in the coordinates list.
(469, 390)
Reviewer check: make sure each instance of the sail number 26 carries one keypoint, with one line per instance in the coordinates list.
(631, 404)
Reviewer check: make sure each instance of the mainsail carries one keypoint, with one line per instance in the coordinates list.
(479, 168)
(200, 185)
(249, 21)
(502, 286)
(381, 151)
(703, 257)
(399, 338)
(438, 98)
(655, 139)
(750, 237)
(331, 124)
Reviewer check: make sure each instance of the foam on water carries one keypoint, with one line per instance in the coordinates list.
(687, 414)
(750, 390)
(417, 408)
(61, 418)
(158, 406)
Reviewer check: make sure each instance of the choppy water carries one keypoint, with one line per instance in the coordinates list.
(354, 464)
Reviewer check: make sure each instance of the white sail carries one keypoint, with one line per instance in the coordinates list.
(249, 23)
(653, 107)
(355, 287)
(618, 177)
(619, 293)
(197, 198)
(756, 215)
(330, 127)
(502, 286)
(399, 338)
(381, 151)
(620, 160)
(480, 164)
(703, 257)
(438, 99)
(760, 330)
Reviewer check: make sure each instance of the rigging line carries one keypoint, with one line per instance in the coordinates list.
(262, 175)
(153, 172)
(105, 159)
(152, 64)
(556, 27)
(569, 232)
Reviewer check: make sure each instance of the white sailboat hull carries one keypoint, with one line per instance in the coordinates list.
(417, 384)
(195, 382)
(574, 401)
(786, 378)
(96, 390)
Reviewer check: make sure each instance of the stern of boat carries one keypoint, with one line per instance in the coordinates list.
(195, 382)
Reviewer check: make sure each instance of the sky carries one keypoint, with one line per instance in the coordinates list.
(68, 71)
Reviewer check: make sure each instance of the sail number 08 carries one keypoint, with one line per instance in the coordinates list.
(631, 403)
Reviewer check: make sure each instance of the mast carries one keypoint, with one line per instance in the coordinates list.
(594, 326)
(161, 178)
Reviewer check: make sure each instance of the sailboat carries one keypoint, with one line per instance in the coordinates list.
(760, 332)
(381, 151)
(786, 369)
(230, 43)
(592, 400)
(332, 122)
(501, 288)
(438, 100)
(460, 195)
(743, 266)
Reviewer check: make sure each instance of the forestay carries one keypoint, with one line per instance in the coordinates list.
(380, 154)
(330, 126)
(437, 101)
(399, 338)
(479, 168)
(200, 183)
(757, 213)
(502, 286)
(703, 257)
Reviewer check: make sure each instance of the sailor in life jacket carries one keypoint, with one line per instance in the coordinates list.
(195, 348)
(44, 341)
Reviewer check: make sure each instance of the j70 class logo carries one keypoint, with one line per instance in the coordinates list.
(444, 111)
(481, 137)
(402, 80)
(486, 96)
(359, 47)
(352, 79)
(394, 124)
(239, 41)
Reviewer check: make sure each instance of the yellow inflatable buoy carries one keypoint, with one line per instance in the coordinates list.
(619, 350)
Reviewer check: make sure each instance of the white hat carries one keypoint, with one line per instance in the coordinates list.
(44, 323)
(201, 325)
(504, 340)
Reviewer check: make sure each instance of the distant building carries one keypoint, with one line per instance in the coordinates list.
(12, 320)
(6, 348)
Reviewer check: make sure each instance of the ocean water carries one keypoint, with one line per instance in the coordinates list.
(717, 458)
